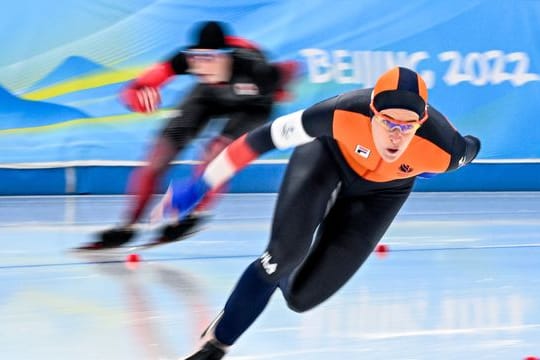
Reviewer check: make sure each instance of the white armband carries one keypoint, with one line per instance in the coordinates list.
(287, 131)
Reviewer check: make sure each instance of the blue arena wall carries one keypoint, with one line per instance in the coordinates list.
(256, 178)
(61, 119)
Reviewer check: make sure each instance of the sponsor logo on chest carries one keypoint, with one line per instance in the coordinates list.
(245, 89)
(405, 168)
(362, 151)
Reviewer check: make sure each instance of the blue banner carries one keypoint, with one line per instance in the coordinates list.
(63, 63)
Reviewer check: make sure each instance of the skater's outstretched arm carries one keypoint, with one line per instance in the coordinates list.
(285, 132)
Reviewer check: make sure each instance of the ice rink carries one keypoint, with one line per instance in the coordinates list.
(462, 281)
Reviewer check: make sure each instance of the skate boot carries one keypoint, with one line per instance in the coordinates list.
(183, 228)
(211, 348)
(209, 351)
(109, 239)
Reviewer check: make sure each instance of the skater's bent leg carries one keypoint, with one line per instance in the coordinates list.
(310, 178)
(344, 241)
(145, 180)
(188, 121)
(245, 304)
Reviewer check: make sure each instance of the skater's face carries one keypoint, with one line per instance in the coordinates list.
(209, 65)
(392, 131)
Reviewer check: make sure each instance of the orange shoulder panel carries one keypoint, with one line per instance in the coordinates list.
(352, 132)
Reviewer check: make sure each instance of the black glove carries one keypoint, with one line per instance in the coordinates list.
(472, 148)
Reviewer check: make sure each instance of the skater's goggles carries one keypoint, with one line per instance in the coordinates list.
(206, 55)
(389, 123)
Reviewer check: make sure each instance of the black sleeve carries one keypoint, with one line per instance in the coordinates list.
(267, 76)
(179, 63)
(317, 120)
(472, 148)
(260, 139)
(464, 151)
(440, 131)
(253, 65)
